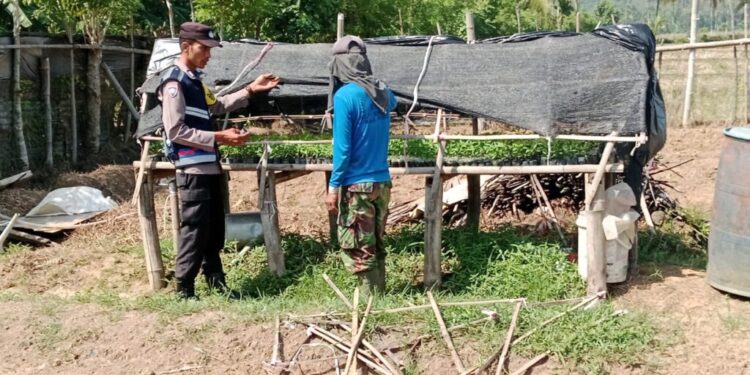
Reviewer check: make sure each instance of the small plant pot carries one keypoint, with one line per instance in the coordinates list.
(300, 161)
(254, 159)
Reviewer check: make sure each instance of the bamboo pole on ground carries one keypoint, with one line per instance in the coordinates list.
(691, 64)
(351, 361)
(150, 234)
(446, 335)
(46, 81)
(526, 366)
(6, 232)
(503, 351)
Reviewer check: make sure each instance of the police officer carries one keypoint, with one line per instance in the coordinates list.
(187, 106)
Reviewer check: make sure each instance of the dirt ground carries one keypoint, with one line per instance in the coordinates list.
(45, 332)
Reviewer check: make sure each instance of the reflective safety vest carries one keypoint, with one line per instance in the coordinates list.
(197, 99)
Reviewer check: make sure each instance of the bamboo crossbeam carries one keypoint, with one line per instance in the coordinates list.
(489, 170)
(76, 46)
(320, 117)
(703, 45)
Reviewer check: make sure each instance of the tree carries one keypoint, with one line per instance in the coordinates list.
(96, 16)
(19, 20)
(606, 12)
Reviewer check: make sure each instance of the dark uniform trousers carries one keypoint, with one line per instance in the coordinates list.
(202, 225)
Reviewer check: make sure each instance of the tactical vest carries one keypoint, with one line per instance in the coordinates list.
(196, 117)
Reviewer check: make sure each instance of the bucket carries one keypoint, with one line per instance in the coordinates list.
(729, 241)
(244, 227)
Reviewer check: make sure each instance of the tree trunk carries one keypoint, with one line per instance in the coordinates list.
(17, 110)
(73, 109)
(170, 13)
(518, 16)
(49, 162)
(94, 92)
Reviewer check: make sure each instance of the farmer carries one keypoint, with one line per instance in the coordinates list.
(192, 142)
(360, 184)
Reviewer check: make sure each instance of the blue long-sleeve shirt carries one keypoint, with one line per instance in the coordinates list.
(361, 132)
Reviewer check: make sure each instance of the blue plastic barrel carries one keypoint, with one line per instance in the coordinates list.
(729, 241)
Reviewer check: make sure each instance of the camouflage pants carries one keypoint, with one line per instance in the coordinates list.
(363, 210)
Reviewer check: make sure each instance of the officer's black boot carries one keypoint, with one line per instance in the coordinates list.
(217, 281)
(185, 289)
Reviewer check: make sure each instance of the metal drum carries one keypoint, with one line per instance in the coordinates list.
(729, 241)
(244, 227)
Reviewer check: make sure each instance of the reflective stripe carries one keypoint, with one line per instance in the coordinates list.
(197, 159)
(197, 112)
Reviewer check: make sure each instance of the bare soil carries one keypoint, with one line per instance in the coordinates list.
(47, 332)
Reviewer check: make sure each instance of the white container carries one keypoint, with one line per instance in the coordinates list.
(617, 249)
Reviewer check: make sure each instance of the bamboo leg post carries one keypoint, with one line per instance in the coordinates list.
(174, 208)
(275, 357)
(150, 234)
(141, 172)
(269, 215)
(433, 231)
(474, 201)
(446, 335)
(596, 279)
(333, 228)
(47, 110)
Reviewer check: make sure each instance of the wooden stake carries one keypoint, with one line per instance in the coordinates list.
(433, 231)
(355, 312)
(47, 110)
(446, 335)
(530, 364)
(73, 108)
(120, 91)
(470, 33)
(351, 361)
(276, 341)
(337, 291)
(150, 234)
(691, 64)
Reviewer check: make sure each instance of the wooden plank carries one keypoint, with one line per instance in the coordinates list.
(150, 234)
(269, 215)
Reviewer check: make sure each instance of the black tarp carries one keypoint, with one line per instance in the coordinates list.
(582, 84)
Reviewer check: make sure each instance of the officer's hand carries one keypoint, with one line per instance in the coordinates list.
(231, 136)
(264, 82)
(332, 200)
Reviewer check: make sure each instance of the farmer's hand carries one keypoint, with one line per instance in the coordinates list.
(264, 82)
(231, 136)
(332, 201)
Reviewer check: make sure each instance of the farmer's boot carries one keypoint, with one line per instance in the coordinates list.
(185, 289)
(217, 281)
(370, 282)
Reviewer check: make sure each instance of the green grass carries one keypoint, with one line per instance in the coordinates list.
(677, 244)
(489, 265)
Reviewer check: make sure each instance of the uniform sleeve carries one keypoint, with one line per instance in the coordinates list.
(173, 117)
(229, 102)
(343, 121)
